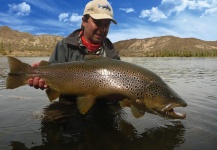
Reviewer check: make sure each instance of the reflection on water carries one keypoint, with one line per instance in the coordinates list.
(29, 121)
(103, 128)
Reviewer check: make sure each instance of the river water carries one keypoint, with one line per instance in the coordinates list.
(24, 124)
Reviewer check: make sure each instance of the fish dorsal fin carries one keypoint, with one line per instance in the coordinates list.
(94, 57)
(44, 63)
(136, 112)
(84, 103)
(52, 94)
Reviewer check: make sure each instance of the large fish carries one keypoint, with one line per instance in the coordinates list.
(98, 77)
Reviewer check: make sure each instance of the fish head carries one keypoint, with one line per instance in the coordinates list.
(160, 99)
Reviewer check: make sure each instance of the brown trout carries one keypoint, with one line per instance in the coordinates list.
(100, 77)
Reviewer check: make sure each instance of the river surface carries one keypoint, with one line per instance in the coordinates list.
(24, 124)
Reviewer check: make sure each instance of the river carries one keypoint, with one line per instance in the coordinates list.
(22, 123)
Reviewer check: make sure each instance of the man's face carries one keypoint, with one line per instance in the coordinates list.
(95, 31)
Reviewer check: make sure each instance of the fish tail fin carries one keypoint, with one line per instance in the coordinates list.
(17, 76)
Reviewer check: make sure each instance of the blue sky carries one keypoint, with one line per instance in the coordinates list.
(136, 18)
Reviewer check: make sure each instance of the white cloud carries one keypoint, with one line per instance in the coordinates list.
(154, 14)
(127, 10)
(22, 9)
(167, 8)
(198, 5)
(66, 17)
(211, 11)
(75, 17)
(183, 5)
(63, 17)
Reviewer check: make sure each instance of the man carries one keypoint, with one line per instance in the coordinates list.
(90, 39)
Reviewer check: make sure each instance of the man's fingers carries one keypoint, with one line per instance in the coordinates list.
(41, 83)
(37, 83)
(30, 82)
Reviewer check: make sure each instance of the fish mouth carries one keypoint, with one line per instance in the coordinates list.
(169, 112)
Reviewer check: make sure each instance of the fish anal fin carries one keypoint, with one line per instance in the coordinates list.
(137, 113)
(84, 103)
(52, 94)
(125, 103)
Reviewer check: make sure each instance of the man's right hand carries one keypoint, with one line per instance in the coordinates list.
(36, 82)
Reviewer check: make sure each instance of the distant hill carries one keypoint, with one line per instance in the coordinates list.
(13, 42)
(167, 46)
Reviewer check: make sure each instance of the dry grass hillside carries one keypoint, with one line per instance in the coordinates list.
(166, 46)
(13, 42)
(17, 43)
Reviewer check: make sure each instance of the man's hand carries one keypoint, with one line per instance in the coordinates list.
(37, 82)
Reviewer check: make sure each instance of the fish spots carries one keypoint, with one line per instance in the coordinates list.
(123, 80)
(156, 89)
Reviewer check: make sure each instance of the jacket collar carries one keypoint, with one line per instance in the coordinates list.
(73, 38)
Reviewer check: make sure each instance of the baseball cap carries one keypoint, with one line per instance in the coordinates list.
(99, 9)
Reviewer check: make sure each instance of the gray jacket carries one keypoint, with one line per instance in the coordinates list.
(71, 49)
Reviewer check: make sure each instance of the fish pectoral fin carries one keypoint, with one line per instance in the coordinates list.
(125, 103)
(52, 94)
(84, 103)
(137, 113)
